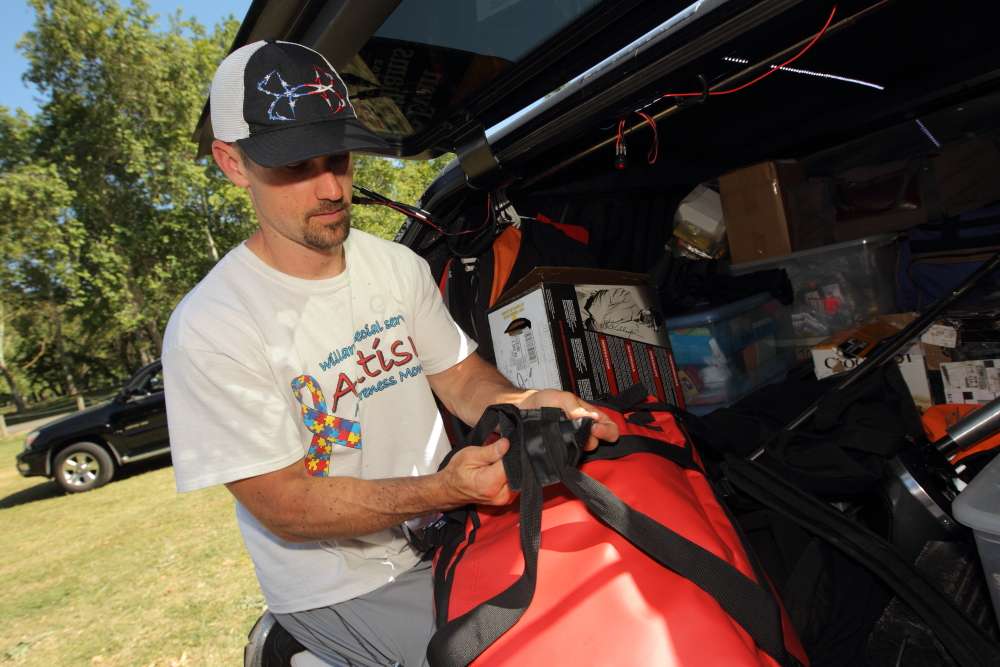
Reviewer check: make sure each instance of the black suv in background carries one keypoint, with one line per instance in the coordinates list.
(82, 451)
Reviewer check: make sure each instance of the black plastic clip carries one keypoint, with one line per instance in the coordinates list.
(701, 99)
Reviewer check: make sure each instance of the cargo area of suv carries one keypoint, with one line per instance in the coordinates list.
(762, 193)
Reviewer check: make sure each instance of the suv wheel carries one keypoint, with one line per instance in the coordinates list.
(83, 466)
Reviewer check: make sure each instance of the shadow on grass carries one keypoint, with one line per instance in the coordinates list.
(43, 491)
(49, 489)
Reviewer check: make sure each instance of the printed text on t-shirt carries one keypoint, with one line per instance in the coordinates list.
(383, 358)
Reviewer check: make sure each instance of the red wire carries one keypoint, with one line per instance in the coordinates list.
(654, 150)
(768, 73)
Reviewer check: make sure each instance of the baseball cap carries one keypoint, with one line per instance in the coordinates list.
(282, 102)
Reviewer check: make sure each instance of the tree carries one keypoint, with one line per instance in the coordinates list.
(401, 180)
(108, 217)
(154, 218)
(40, 240)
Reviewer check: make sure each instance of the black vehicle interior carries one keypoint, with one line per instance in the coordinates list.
(515, 90)
(941, 70)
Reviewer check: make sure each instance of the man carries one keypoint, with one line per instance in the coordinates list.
(301, 373)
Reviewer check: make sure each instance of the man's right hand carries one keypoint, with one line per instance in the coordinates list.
(475, 474)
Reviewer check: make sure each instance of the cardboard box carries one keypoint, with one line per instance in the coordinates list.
(587, 331)
(813, 214)
(757, 206)
(893, 221)
(846, 350)
(829, 361)
(964, 334)
(960, 179)
(965, 176)
(877, 199)
(971, 381)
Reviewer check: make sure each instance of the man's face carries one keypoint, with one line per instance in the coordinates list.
(306, 202)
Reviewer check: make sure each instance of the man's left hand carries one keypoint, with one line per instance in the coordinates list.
(574, 407)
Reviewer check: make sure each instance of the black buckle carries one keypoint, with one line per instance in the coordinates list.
(427, 537)
(551, 441)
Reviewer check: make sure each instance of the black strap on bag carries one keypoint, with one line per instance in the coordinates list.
(543, 451)
(963, 641)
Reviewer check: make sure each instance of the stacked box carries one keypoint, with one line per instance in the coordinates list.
(587, 331)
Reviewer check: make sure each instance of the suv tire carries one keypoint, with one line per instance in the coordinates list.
(83, 466)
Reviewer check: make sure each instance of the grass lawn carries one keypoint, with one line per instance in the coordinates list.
(130, 574)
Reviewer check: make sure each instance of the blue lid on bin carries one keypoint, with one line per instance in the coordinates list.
(707, 316)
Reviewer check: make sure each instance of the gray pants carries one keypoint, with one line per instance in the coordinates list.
(389, 626)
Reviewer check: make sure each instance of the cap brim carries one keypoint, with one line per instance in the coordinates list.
(302, 142)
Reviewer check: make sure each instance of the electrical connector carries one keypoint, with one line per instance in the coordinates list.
(620, 156)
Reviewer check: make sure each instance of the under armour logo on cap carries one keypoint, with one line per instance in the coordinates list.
(323, 85)
(283, 102)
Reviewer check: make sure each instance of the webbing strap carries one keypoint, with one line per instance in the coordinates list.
(461, 640)
(637, 444)
(448, 559)
(749, 603)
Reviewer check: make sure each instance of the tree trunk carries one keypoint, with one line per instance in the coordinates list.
(144, 356)
(71, 388)
(148, 322)
(123, 353)
(212, 248)
(206, 212)
(153, 332)
(15, 391)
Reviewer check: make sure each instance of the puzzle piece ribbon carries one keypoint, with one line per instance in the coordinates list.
(327, 429)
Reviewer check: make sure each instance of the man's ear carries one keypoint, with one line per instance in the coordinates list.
(231, 163)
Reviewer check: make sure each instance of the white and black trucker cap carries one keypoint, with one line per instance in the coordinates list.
(282, 103)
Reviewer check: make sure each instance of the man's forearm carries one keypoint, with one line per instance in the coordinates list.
(470, 387)
(301, 508)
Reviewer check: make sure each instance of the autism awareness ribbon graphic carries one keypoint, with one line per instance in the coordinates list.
(327, 429)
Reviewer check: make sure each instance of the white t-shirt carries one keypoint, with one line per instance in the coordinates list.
(262, 368)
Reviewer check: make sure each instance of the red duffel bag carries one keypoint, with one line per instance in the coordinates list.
(627, 558)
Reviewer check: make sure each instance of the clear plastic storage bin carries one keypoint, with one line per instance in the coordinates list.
(836, 287)
(978, 507)
(724, 353)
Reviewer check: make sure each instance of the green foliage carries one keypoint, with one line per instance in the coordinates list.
(145, 203)
(401, 180)
(107, 217)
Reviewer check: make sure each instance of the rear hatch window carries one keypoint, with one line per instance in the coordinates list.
(431, 55)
